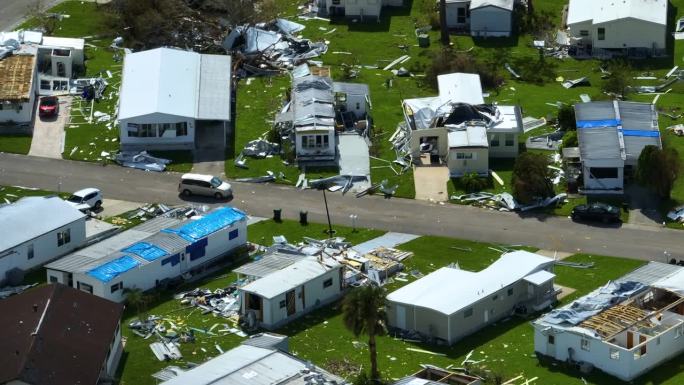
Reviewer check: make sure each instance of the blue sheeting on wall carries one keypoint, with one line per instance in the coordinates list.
(145, 250)
(112, 269)
(197, 250)
(644, 134)
(208, 224)
(173, 260)
(598, 123)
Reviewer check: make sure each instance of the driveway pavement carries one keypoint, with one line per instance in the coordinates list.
(48, 133)
(398, 215)
(431, 183)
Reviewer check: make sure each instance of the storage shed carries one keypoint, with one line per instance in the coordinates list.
(451, 303)
(30, 238)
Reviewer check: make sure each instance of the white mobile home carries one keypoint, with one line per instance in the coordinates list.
(30, 238)
(18, 79)
(468, 151)
(625, 328)
(183, 249)
(618, 25)
(281, 296)
(365, 10)
(450, 303)
(173, 99)
(491, 18)
(611, 136)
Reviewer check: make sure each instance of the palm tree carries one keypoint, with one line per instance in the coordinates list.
(363, 312)
(135, 297)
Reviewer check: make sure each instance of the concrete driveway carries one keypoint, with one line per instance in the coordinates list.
(48, 133)
(431, 183)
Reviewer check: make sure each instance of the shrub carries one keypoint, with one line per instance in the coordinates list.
(531, 177)
(566, 118)
(472, 182)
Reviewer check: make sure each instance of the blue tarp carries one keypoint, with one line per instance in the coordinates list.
(208, 224)
(145, 250)
(644, 134)
(598, 123)
(173, 260)
(112, 269)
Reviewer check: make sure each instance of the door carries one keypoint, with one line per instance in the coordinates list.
(205, 187)
(630, 340)
(401, 317)
(486, 316)
(290, 302)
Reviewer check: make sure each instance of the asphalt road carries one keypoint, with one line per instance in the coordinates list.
(403, 215)
(13, 12)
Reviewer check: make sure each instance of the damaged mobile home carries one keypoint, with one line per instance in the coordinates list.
(161, 250)
(451, 303)
(365, 10)
(174, 99)
(457, 128)
(611, 136)
(482, 18)
(625, 328)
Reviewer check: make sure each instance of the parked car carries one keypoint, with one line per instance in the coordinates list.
(596, 212)
(199, 184)
(676, 215)
(86, 199)
(48, 107)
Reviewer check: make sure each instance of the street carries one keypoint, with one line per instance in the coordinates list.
(402, 215)
(13, 12)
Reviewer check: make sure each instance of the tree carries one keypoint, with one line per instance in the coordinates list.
(566, 118)
(135, 297)
(531, 177)
(363, 312)
(40, 18)
(620, 78)
(659, 169)
(444, 30)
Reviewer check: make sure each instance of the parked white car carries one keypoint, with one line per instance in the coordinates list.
(208, 185)
(677, 214)
(86, 199)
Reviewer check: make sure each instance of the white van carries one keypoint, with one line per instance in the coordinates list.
(208, 185)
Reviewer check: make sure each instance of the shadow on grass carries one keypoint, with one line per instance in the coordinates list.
(312, 319)
(371, 24)
(496, 42)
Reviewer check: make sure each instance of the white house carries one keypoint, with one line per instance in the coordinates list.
(468, 151)
(482, 18)
(286, 294)
(182, 249)
(625, 328)
(460, 105)
(450, 303)
(173, 99)
(31, 237)
(608, 24)
(18, 82)
(611, 136)
(362, 9)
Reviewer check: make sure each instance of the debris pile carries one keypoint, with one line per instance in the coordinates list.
(220, 302)
(269, 48)
(141, 160)
(506, 202)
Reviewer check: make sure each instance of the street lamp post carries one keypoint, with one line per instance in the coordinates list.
(327, 213)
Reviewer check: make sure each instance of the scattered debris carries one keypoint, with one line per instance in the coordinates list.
(677, 129)
(575, 82)
(509, 69)
(530, 123)
(12, 290)
(426, 352)
(269, 177)
(260, 148)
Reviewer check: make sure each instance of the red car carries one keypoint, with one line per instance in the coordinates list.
(48, 107)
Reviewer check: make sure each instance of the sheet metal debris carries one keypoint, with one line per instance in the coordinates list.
(141, 160)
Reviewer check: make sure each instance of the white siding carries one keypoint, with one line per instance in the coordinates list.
(362, 8)
(603, 183)
(168, 141)
(502, 150)
(490, 21)
(301, 151)
(623, 33)
(479, 163)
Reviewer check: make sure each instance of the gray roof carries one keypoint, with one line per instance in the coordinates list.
(266, 340)
(351, 88)
(214, 90)
(599, 143)
(595, 111)
(82, 260)
(26, 219)
(650, 273)
(636, 118)
(250, 365)
(269, 263)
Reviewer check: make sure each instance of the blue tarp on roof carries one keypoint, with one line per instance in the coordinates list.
(598, 123)
(145, 250)
(112, 269)
(208, 224)
(641, 133)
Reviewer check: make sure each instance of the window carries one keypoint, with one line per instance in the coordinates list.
(45, 85)
(584, 32)
(461, 16)
(602, 34)
(509, 140)
(163, 128)
(494, 141)
(584, 344)
(147, 130)
(84, 287)
(468, 312)
(315, 141)
(510, 292)
(132, 130)
(464, 155)
(327, 283)
(494, 298)
(116, 287)
(603, 172)
(614, 354)
(53, 279)
(29, 251)
(233, 234)
(282, 304)
(552, 340)
(63, 237)
(182, 129)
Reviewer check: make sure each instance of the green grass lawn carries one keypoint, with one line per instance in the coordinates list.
(15, 143)
(9, 194)
(181, 160)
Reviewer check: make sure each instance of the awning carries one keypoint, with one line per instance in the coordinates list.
(539, 278)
